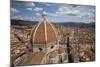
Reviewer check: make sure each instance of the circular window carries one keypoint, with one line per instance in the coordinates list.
(52, 47)
(40, 49)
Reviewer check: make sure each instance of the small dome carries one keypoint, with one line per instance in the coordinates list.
(61, 50)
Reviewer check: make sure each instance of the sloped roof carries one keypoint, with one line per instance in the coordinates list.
(44, 33)
(35, 58)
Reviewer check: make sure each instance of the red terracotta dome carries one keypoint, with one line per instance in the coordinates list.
(44, 33)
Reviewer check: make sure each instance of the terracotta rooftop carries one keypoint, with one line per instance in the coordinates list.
(61, 50)
(35, 58)
(44, 33)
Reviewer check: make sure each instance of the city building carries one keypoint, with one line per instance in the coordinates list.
(45, 45)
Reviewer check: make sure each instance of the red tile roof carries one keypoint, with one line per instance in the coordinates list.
(44, 33)
(35, 58)
(61, 50)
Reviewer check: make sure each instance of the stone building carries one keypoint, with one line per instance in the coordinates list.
(44, 44)
(42, 47)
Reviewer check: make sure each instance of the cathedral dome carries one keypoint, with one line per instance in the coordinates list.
(44, 33)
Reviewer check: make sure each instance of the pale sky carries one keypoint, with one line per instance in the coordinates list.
(56, 12)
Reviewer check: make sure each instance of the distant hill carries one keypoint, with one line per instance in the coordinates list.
(66, 24)
(74, 24)
(23, 22)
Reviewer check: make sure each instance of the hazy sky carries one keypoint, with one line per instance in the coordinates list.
(56, 12)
